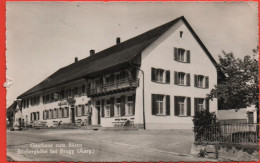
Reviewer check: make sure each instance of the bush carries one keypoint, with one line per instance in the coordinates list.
(206, 126)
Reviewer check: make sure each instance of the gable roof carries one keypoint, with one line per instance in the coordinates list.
(115, 55)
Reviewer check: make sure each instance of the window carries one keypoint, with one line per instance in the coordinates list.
(181, 55)
(201, 81)
(79, 111)
(130, 106)
(55, 113)
(83, 112)
(182, 106)
(201, 104)
(66, 112)
(181, 78)
(160, 104)
(62, 112)
(160, 75)
(47, 114)
(117, 108)
(107, 108)
(51, 114)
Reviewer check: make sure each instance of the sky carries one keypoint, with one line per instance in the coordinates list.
(45, 36)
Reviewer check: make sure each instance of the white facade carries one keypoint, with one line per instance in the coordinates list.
(160, 54)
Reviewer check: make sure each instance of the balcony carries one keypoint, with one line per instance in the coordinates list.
(113, 87)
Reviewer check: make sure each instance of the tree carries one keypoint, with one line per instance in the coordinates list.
(240, 87)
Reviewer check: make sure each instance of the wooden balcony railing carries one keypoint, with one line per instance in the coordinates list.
(112, 87)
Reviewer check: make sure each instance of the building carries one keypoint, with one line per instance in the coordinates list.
(238, 116)
(155, 80)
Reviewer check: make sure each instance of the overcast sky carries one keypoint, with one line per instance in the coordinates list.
(45, 36)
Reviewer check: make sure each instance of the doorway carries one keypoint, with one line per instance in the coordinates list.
(72, 115)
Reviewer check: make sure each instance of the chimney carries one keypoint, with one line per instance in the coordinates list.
(118, 40)
(92, 52)
(76, 59)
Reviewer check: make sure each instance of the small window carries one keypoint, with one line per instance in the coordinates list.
(182, 55)
(201, 81)
(181, 78)
(201, 104)
(160, 75)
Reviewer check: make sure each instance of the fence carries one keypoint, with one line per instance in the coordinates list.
(228, 133)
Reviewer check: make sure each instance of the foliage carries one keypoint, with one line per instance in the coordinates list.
(206, 126)
(240, 87)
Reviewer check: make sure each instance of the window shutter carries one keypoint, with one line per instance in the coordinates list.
(43, 115)
(68, 112)
(153, 74)
(102, 108)
(154, 109)
(176, 106)
(206, 82)
(188, 79)
(168, 76)
(188, 56)
(188, 106)
(168, 105)
(112, 99)
(122, 107)
(175, 54)
(207, 104)
(133, 104)
(195, 105)
(195, 80)
(175, 77)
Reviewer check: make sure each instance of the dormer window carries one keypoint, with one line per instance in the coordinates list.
(182, 55)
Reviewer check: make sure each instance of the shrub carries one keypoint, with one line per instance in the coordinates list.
(206, 126)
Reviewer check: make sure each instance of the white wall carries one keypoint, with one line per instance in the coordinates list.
(161, 55)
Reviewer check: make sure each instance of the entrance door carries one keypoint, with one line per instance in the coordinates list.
(98, 110)
(72, 115)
